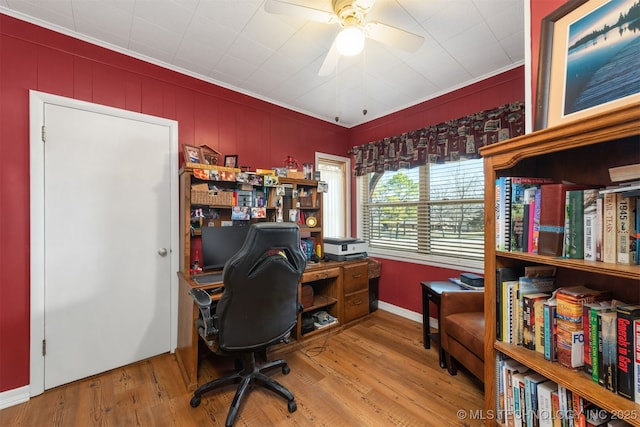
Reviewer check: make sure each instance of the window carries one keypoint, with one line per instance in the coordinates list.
(333, 170)
(428, 212)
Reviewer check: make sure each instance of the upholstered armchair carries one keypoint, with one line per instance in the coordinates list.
(462, 331)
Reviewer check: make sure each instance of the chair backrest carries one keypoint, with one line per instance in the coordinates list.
(259, 305)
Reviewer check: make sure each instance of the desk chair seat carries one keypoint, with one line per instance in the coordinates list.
(259, 307)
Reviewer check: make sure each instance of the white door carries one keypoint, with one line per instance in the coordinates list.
(107, 240)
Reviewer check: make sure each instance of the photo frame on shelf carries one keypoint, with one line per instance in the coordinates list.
(209, 155)
(231, 161)
(583, 46)
(192, 154)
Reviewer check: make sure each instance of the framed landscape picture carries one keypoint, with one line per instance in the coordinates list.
(588, 60)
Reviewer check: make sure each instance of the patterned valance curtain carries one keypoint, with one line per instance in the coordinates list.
(449, 141)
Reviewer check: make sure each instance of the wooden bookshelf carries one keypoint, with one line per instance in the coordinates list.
(580, 152)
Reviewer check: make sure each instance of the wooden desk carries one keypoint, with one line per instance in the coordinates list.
(346, 304)
(432, 291)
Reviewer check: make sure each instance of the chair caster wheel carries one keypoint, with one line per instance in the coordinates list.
(195, 401)
(286, 369)
(291, 406)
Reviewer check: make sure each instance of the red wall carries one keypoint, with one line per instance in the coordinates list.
(400, 281)
(31, 57)
(261, 134)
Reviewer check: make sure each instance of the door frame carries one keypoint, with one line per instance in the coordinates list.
(37, 101)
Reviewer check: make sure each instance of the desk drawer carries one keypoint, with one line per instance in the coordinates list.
(356, 305)
(312, 276)
(356, 277)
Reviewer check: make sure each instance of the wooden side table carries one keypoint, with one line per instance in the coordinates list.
(432, 291)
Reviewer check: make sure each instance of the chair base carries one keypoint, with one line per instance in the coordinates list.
(247, 376)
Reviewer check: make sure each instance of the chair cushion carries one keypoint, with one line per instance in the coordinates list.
(468, 330)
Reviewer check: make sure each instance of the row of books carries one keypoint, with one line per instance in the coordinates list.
(528, 399)
(536, 215)
(578, 327)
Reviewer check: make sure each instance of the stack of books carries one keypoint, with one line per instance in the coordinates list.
(537, 215)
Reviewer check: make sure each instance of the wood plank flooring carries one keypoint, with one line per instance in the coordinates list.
(374, 373)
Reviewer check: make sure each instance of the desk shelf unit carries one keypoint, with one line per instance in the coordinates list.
(325, 277)
(580, 152)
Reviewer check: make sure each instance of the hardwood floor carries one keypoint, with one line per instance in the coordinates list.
(375, 373)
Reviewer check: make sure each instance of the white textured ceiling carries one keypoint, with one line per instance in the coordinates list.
(236, 44)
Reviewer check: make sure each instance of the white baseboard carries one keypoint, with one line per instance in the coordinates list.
(14, 397)
(407, 314)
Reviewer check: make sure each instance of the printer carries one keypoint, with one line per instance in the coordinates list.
(345, 248)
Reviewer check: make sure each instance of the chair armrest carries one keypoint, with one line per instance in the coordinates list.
(461, 302)
(206, 323)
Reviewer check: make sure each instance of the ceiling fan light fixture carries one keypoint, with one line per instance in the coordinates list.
(350, 41)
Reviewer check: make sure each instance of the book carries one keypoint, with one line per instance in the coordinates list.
(509, 368)
(636, 360)
(588, 318)
(590, 226)
(637, 236)
(625, 226)
(503, 274)
(526, 286)
(552, 217)
(509, 290)
(626, 315)
(499, 209)
(609, 335)
(538, 327)
(503, 213)
(609, 228)
(527, 223)
(574, 224)
(550, 330)
(563, 409)
(535, 230)
(625, 173)
(519, 185)
(545, 406)
(528, 324)
(595, 341)
(518, 399)
(599, 226)
(570, 335)
(531, 382)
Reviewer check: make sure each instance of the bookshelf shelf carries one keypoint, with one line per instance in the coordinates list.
(580, 152)
(576, 381)
(614, 270)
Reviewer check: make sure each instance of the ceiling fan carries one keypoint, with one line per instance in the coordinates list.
(351, 15)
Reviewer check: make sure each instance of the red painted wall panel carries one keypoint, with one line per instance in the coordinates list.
(260, 133)
(36, 58)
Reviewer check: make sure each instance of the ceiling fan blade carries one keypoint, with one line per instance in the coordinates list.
(330, 61)
(393, 36)
(293, 9)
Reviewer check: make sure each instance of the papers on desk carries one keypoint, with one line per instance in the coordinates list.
(460, 283)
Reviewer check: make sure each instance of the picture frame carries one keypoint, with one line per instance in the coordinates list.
(231, 161)
(210, 156)
(578, 56)
(192, 154)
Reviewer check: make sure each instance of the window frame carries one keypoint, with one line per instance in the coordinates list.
(436, 260)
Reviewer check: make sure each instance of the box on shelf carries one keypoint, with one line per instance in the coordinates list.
(295, 174)
(221, 198)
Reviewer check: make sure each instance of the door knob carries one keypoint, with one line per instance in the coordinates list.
(162, 252)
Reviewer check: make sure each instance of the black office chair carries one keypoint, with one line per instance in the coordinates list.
(259, 307)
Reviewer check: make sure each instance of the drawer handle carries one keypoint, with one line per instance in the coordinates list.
(356, 276)
(357, 302)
